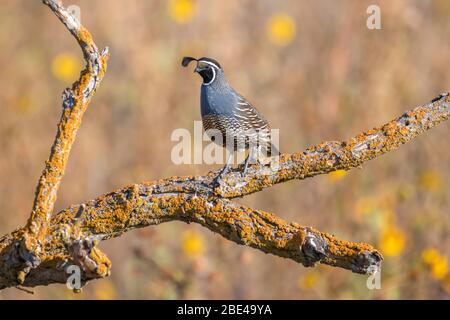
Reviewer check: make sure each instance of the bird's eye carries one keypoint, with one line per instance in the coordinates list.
(204, 66)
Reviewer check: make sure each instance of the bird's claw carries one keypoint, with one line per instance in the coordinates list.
(216, 181)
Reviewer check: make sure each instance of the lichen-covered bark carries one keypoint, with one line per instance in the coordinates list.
(334, 155)
(142, 205)
(75, 103)
(31, 238)
(71, 236)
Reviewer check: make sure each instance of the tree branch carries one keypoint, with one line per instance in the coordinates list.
(334, 155)
(142, 205)
(71, 236)
(75, 103)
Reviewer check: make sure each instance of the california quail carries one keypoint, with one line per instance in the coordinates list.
(240, 125)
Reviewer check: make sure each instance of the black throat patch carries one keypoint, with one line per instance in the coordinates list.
(207, 75)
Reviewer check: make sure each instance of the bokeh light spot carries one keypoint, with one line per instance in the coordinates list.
(281, 29)
(392, 241)
(66, 67)
(436, 262)
(181, 11)
(193, 244)
(336, 175)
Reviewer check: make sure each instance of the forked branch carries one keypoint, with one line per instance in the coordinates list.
(40, 252)
(31, 239)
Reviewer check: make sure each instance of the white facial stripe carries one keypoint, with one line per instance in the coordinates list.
(210, 63)
(212, 80)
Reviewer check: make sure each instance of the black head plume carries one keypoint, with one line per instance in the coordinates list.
(186, 60)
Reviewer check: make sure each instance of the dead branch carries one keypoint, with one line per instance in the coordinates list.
(72, 235)
(335, 155)
(75, 102)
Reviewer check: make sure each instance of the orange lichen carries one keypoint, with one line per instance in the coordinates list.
(84, 36)
(101, 260)
(185, 198)
(330, 156)
(34, 234)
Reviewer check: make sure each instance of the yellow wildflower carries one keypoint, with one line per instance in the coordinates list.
(440, 269)
(66, 67)
(336, 175)
(437, 263)
(308, 280)
(281, 29)
(430, 255)
(392, 241)
(193, 244)
(431, 180)
(181, 11)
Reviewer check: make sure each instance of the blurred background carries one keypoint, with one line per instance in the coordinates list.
(314, 70)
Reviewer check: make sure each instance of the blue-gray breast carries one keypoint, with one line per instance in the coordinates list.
(225, 110)
(228, 115)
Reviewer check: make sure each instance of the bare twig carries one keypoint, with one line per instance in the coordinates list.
(25, 290)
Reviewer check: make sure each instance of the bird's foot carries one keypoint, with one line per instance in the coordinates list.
(247, 161)
(216, 181)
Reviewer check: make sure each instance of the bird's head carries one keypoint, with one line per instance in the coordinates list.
(207, 68)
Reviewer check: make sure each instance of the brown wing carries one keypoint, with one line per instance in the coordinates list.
(253, 123)
(249, 117)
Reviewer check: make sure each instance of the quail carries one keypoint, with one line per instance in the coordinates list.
(228, 113)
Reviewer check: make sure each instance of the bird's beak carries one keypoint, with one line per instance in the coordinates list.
(198, 69)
